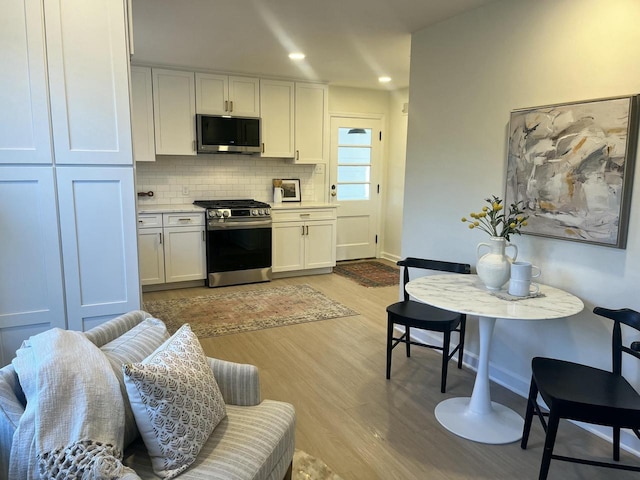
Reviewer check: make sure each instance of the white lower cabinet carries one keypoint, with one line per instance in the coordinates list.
(172, 247)
(303, 239)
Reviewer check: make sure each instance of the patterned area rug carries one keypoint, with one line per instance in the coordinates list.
(307, 467)
(221, 313)
(370, 273)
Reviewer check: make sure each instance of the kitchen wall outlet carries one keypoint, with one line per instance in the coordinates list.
(319, 170)
(185, 190)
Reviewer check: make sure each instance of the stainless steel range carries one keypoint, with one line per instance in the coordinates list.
(238, 241)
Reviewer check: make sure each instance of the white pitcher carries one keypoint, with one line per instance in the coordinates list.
(277, 194)
(494, 268)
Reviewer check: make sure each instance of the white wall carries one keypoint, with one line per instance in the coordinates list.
(467, 74)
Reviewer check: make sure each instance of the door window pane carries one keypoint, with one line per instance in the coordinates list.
(354, 163)
(353, 174)
(358, 136)
(353, 191)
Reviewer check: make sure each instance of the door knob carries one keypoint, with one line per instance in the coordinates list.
(333, 191)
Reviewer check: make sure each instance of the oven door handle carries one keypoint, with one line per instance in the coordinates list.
(239, 225)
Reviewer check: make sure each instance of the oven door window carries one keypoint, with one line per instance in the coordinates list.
(238, 249)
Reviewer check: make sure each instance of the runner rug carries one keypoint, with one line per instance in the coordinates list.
(222, 313)
(370, 273)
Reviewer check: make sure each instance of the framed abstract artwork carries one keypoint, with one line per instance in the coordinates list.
(571, 165)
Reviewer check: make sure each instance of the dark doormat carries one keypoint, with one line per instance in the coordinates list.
(369, 273)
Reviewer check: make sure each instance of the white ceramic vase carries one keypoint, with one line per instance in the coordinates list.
(494, 267)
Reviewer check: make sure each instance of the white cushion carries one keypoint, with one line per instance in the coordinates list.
(176, 402)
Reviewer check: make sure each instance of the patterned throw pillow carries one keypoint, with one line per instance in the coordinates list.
(176, 402)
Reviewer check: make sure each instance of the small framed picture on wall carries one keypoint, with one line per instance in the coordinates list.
(291, 190)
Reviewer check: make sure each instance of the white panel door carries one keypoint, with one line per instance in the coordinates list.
(184, 253)
(24, 107)
(174, 110)
(89, 83)
(99, 243)
(31, 297)
(276, 111)
(144, 141)
(356, 163)
(311, 120)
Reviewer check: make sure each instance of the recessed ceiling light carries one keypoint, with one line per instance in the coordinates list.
(296, 56)
(384, 79)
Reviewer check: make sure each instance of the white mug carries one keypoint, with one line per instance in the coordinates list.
(522, 288)
(524, 271)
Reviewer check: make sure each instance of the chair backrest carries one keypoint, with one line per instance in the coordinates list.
(630, 318)
(438, 265)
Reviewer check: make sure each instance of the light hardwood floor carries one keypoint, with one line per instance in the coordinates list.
(366, 427)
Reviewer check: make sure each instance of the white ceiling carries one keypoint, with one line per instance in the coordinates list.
(347, 42)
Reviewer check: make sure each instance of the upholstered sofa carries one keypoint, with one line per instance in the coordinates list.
(255, 440)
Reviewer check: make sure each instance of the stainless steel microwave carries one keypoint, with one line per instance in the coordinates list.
(222, 134)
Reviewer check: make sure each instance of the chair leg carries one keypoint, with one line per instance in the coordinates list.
(463, 327)
(445, 359)
(549, 442)
(389, 341)
(408, 339)
(528, 416)
(616, 444)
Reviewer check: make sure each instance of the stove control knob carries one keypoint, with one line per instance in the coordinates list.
(261, 212)
(218, 213)
(211, 213)
(226, 213)
(254, 212)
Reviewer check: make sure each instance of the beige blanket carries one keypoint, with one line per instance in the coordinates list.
(73, 425)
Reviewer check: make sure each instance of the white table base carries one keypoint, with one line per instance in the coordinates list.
(477, 418)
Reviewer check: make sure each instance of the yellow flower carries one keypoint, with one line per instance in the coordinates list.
(484, 209)
(471, 225)
(512, 225)
(476, 224)
(497, 207)
(498, 221)
(464, 219)
(524, 223)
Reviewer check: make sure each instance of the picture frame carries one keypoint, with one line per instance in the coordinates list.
(291, 190)
(571, 165)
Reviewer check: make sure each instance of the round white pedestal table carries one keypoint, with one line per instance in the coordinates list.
(477, 418)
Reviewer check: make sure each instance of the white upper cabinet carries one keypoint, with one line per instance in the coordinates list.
(311, 117)
(174, 108)
(144, 143)
(227, 95)
(89, 86)
(24, 108)
(277, 113)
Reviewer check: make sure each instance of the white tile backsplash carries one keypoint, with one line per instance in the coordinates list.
(210, 177)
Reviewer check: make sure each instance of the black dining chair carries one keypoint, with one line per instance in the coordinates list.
(586, 394)
(410, 313)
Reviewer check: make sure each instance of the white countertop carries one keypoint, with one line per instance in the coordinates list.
(297, 205)
(168, 208)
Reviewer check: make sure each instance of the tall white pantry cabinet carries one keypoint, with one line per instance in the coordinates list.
(68, 252)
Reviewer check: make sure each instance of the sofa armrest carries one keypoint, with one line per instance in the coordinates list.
(238, 382)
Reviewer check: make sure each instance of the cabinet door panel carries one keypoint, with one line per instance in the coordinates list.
(276, 111)
(244, 92)
(288, 246)
(98, 227)
(24, 108)
(144, 141)
(211, 93)
(174, 109)
(151, 256)
(321, 244)
(311, 123)
(88, 78)
(184, 253)
(31, 297)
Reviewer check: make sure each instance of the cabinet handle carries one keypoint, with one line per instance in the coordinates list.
(305, 214)
(297, 154)
(203, 235)
(141, 222)
(307, 228)
(193, 145)
(184, 219)
(262, 147)
(302, 229)
(226, 105)
(160, 234)
(231, 106)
